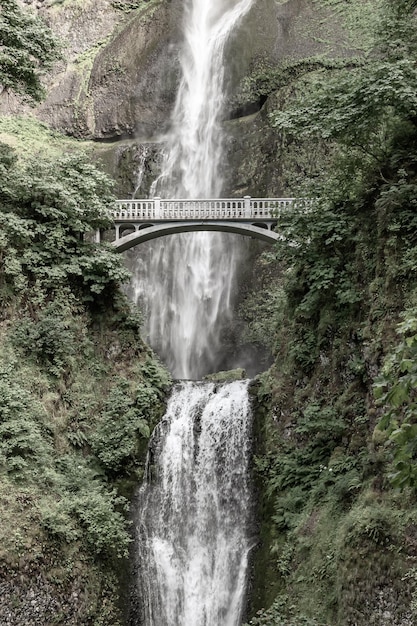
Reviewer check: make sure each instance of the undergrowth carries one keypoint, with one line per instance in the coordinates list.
(79, 391)
(336, 434)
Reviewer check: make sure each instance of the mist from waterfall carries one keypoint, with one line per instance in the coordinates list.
(194, 509)
(186, 283)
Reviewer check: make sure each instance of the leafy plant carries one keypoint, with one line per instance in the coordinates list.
(396, 392)
(28, 48)
(127, 416)
(375, 524)
(53, 205)
(361, 106)
(24, 448)
(349, 261)
(52, 337)
(87, 508)
(279, 615)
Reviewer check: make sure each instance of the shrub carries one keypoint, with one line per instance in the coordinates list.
(127, 416)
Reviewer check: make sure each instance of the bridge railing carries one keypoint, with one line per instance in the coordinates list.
(158, 209)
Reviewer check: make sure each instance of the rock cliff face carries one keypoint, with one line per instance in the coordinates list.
(117, 75)
(118, 80)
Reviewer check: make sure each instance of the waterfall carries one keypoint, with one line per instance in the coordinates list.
(194, 509)
(186, 283)
(193, 512)
(142, 154)
(193, 159)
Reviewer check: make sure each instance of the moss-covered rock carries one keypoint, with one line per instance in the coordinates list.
(226, 377)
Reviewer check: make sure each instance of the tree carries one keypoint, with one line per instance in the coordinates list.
(362, 107)
(46, 208)
(27, 48)
(360, 232)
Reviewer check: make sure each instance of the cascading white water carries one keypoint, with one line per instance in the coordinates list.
(189, 282)
(185, 283)
(193, 159)
(194, 509)
(193, 515)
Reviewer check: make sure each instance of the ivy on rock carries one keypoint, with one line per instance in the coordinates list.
(27, 49)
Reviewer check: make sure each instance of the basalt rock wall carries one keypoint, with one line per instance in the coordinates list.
(119, 69)
(118, 79)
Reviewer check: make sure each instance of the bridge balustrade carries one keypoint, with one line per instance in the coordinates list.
(158, 209)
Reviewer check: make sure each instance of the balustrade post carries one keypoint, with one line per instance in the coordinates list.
(247, 200)
(157, 207)
(97, 236)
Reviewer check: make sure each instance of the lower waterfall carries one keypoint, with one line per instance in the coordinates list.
(194, 511)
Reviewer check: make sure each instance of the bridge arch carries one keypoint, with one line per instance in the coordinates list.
(172, 228)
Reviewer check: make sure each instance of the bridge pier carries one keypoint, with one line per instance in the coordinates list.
(247, 209)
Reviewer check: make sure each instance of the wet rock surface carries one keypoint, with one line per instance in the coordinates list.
(25, 603)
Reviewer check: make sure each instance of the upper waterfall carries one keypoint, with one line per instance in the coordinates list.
(186, 283)
(194, 149)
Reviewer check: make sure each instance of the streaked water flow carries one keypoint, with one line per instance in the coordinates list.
(193, 514)
(186, 283)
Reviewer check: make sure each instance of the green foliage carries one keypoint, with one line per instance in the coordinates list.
(412, 576)
(369, 102)
(277, 615)
(265, 78)
(46, 210)
(30, 136)
(127, 5)
(79, 391)
(365, 197)
(156, 375)
(339, 543)
(78, 505)
(25, 447)
(262, 312)
(127, 415)
(361, 106)
(27, 49)
(357, 21)
(396, 392)
(69, 434)
(321, 428)
(51, 336)
(375, 524)
(87, 509)
(323, 285)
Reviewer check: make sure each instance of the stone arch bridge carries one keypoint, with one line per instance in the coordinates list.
(137, 221)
